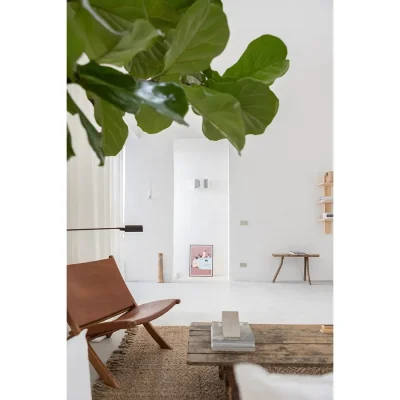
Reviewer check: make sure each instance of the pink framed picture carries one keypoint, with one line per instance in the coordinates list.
(201, 260)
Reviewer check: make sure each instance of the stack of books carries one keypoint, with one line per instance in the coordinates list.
(326, 329)
(325, 198)
(327, 215)
(296, 253)
(244, 343)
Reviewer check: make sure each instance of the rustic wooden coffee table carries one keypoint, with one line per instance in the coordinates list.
(276, 345)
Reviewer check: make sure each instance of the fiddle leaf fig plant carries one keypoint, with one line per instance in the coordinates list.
(152, 58)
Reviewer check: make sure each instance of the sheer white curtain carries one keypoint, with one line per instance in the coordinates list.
(95, 195)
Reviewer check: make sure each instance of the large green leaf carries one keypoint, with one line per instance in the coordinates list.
(201, 35)
(170, 78)
(72, 108)
(141, 37)
(114, 128)
(150, 121)
(258, 103)
(158, 12)
(183, 5)
(178, 4)
(218, 3)
(211, 74)
(75, 45)
(118, 46)
(97, 39)
(127, 93)
(95, 138)
(99, 18)
(221, 113)
(196, 78)
(264, 60)
(148, 63)
(70, 150)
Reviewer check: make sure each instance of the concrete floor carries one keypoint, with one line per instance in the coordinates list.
(257, 302)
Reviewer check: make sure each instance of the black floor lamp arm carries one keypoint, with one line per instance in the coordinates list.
(93, 229)
(126, 228)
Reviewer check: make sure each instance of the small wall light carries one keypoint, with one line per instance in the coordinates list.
(196, 183)
(205, 183)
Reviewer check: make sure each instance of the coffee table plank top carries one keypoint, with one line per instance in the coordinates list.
(294, 255)
(275, 344)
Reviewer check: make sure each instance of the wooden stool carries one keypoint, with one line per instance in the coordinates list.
(306, 263)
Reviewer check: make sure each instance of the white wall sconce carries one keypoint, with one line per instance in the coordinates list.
(197, 183)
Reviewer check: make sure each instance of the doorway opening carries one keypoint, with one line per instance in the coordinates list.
(201, 210)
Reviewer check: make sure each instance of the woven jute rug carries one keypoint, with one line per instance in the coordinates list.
(147, 372)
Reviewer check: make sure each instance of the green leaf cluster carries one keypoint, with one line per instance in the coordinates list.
(152, 58)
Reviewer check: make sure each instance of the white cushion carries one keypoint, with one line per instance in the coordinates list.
(255, 383)
(78, 374)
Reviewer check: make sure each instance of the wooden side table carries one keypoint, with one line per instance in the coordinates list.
(306, 263)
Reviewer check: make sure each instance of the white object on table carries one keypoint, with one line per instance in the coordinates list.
(230, 324)
(255, 383)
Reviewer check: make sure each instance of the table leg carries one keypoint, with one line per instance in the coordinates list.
(279, 268)
(231, 389)
(308, 271)
(305, 268)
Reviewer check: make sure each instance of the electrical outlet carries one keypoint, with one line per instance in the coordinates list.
(243, 265)
(244, 222)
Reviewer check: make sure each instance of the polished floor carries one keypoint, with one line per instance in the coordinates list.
(257, 302)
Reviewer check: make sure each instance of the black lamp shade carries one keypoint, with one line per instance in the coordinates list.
(133, 228)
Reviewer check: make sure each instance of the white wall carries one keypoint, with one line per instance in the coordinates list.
(149, 163)
(274, 183)
(149, 159)
(201, 216)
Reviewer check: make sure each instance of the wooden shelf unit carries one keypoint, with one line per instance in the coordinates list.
(327, 184)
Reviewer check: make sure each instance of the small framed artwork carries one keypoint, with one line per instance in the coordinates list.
(201, 260)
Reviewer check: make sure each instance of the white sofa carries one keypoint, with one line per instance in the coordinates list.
(78, 373)
(255, 383)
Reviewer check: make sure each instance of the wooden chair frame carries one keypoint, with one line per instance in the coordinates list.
(128, 317)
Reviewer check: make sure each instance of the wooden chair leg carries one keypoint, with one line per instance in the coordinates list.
(104, 373)
(305, 268)
(308, 271)
(109, 335)
(156, 336)
(279, 268)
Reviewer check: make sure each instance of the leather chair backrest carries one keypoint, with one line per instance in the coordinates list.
(96, 291)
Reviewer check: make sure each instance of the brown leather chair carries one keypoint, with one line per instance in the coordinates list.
(96, 293)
